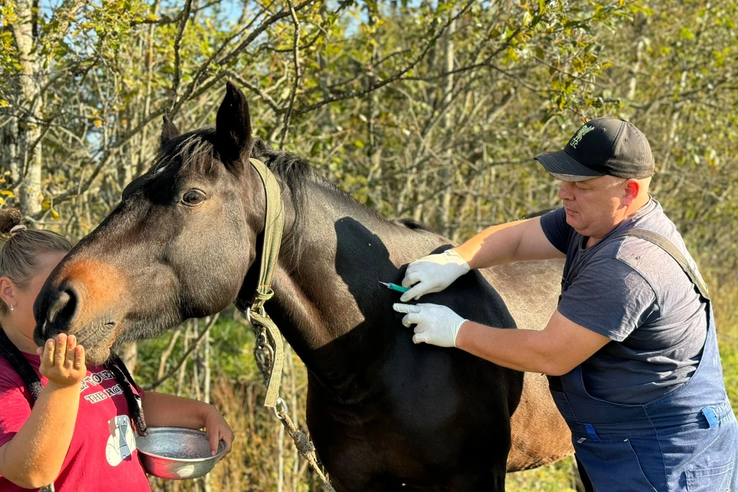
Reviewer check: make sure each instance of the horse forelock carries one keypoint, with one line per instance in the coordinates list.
(193, 151)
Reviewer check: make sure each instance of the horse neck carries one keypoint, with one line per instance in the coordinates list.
(329, 303)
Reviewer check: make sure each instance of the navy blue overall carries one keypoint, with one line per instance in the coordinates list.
(684, 440)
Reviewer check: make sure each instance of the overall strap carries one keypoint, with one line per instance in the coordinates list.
(668, 246)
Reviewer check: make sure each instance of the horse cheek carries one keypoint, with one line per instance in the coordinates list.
(206, 267)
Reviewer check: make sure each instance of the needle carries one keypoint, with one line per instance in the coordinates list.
(391, 286)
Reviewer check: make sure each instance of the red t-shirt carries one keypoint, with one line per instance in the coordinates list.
(102, 455)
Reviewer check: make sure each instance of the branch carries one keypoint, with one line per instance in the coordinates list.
(296, 83)
(158, 382)
(393, 78)
(263, 27)
(164, 19)
(104, 159)
(190, 90)
(177, 55)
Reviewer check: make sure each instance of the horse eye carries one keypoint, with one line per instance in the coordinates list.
(193, 198)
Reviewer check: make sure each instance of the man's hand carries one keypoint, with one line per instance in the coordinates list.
(433, 273)
(437, 325)
(62, 361)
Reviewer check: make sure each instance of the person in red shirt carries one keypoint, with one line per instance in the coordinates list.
(65, 425)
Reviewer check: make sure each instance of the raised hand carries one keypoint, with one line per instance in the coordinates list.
(62, 361)
(433, 273)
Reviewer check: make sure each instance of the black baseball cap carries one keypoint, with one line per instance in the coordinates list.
(603, 146)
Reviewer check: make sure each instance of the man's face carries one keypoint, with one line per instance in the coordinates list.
(594, 207)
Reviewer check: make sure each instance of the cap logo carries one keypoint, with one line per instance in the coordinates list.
(580, 134)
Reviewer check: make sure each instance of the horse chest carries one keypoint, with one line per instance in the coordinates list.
(414, 393)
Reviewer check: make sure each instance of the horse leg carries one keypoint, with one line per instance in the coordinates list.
(476, 482)
(374, 485)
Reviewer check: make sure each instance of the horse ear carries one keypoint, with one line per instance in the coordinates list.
(168, 131)
(233, 126)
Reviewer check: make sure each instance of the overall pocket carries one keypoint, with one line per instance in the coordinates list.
(710, 479)
(612, 465)
(712, 467)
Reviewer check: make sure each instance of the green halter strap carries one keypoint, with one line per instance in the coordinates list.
(257, 316)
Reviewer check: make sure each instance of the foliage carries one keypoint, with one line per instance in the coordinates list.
(427, 110)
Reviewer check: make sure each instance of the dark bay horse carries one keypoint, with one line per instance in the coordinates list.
(384, 414)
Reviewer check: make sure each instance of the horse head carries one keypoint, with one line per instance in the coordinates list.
(178, 246)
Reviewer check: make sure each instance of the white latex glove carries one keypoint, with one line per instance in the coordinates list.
(433, 273)
(437, 325)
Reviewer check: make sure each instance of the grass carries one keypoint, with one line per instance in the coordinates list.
(558, 477)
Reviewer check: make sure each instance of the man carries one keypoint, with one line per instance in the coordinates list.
(631, 351)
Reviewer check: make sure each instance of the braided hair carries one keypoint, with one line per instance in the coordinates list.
(15, 357)
(125, 380)
(19, 262)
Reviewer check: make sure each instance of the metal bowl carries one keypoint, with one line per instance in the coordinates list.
(177, 453)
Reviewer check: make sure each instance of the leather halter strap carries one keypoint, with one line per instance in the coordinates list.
(256, 314)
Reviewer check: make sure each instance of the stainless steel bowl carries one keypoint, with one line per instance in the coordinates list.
(177, 453)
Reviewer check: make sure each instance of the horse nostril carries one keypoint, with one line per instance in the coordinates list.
(61, 310)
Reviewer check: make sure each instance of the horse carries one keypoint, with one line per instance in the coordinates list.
(384, 414)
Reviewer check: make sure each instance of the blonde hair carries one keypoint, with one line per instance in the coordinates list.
(21, 249)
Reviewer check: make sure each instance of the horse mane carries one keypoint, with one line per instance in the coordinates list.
(295, 172)
(412, 224)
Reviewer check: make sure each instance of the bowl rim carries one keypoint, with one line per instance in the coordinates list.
(156, 430)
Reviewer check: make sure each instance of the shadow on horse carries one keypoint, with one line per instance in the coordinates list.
(384, 414)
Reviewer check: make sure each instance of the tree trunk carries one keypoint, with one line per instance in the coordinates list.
(26, 154)
(444, 211)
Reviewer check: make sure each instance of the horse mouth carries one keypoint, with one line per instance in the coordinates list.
(97, 341)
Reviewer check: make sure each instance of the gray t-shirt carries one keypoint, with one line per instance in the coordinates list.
(634, 293)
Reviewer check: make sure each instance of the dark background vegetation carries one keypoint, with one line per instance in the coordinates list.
(420, 109)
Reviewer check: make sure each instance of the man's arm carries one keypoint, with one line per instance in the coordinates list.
(503, 243)
(557, 349)
(514, 241)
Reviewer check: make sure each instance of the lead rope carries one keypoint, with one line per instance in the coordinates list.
(269, 348)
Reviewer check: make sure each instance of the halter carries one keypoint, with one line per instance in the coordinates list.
(270, 358)
(256, 314)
